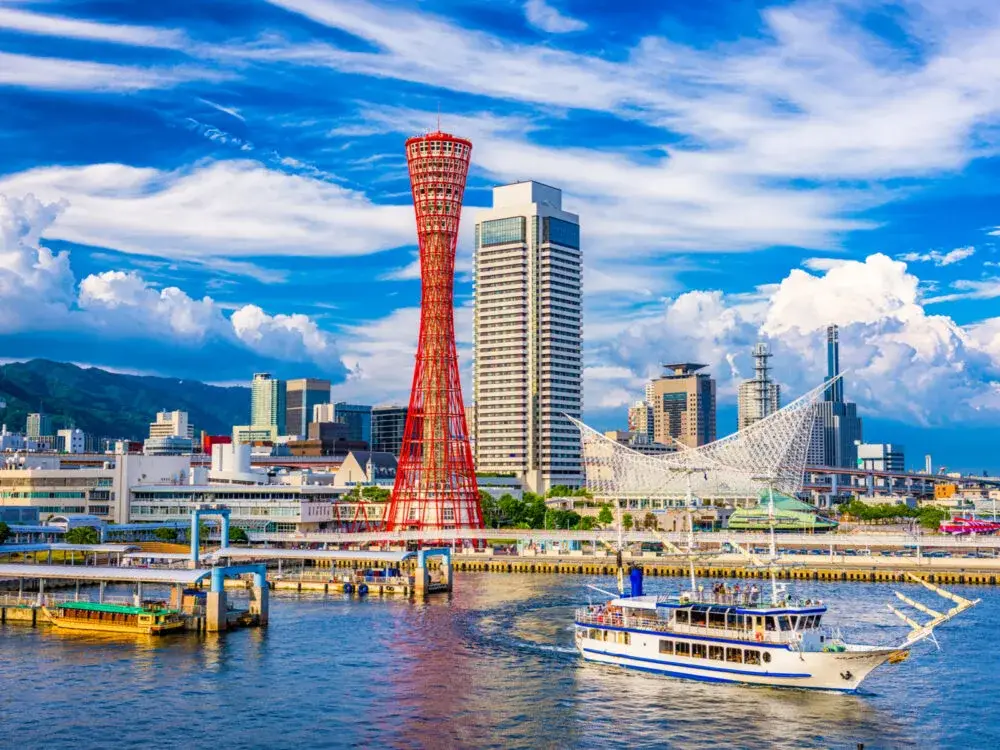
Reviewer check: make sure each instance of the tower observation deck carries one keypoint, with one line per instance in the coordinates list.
(436, 482)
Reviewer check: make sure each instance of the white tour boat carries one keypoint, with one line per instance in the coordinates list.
(740, 634)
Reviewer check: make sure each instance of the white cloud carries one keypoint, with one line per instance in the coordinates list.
(35, 283)
(57, 74)
(36, 23)
(379, 356)
(228, 208)
(970, 289)
(823, 264)
(409, 272)
(903, 363)
(38, 290)
(545, 17)
(781, 139)
(938, 258)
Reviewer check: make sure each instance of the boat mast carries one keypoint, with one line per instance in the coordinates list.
(690, 503)
(774, 547)
(620, 552)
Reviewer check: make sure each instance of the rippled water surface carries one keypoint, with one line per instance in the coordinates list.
(494, 666)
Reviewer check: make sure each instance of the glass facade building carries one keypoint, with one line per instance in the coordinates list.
(302, 395)
(388, 423)
(358, 419)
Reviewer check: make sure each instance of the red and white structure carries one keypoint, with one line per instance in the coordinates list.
(436, 481)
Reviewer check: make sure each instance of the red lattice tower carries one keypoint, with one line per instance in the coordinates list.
(435, 480)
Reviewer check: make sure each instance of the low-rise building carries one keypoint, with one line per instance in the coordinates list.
(365, 467)
(44, 483)
(265, 508)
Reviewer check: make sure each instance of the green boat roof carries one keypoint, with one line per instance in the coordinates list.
(120, 609)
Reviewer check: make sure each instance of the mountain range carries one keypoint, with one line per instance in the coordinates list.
(113, 405)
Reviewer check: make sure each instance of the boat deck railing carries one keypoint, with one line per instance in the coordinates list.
(602, 618)
(744, 600)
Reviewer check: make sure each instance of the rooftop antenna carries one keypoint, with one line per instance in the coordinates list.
(439, 116)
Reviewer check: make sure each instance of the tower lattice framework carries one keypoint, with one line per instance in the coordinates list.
(436, 481)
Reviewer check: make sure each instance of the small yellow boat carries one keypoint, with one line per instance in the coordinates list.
(149, 619)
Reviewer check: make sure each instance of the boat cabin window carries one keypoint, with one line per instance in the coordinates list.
(594, 634)
(698, 617)
(717, 619)
(751, 656)
(717, 652)
(666, 647)
(697, 650)
(683, 649)
(785, 622)
(682, 616)
(734, 655)
(769, 623)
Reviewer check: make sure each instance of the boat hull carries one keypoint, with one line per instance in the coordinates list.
(786, 668)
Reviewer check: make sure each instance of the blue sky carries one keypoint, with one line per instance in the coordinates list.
(203, 188)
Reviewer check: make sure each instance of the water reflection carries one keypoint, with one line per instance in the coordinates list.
(491, 666)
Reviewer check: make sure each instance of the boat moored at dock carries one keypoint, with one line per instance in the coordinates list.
(150, 618)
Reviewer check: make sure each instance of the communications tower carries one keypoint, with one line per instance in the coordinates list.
(435, 481)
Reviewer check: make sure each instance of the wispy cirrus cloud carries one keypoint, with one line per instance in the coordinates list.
(60, 74)
(28, 22)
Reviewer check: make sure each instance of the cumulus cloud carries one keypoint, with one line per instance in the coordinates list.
(116, 309)
(543, 16)
(36, 283)
(903, 363)
(938, 258)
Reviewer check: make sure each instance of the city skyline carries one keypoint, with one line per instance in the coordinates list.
(777, 242)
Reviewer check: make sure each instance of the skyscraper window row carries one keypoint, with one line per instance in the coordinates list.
(502, 231)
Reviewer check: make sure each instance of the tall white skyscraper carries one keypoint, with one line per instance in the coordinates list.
(528, 337)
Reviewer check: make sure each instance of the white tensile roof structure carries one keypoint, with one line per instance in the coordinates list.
(770, 452)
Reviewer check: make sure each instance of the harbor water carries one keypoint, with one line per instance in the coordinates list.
(491, 666)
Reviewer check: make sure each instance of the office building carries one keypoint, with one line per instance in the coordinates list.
(837, 419)
(882, 457)
(39, 426)
(267, 402)
(170, 435)
(71, 441)
(759, 397)
(639, 442)
(683, 402)
(323, 413)
(358, 419)
(640, 419)
(171, 424)
(301, 396)
(528, 337)
(388, 423)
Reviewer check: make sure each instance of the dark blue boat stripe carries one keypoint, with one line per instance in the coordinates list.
(658, 634)
(790, 675)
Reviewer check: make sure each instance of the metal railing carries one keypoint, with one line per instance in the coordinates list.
(600, 618)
